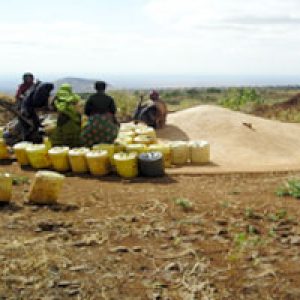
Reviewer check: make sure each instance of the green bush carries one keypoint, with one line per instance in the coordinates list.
(235, 98)
(290, 188)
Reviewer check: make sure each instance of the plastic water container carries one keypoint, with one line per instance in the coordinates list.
(144, 139)
(166, 152)
(59, 157)
(137, 148)
(199, 152)
(151, 164)
(127, 127)
(4, 153)
(149, 131)
(47, 143)
(126, 164)
(46, 187)
(38, 156)
(110, 148)
(1, 131)
(126, 134)
(5, 187)
(179, 152)
(77, 158)
(98, 162)
(20, 150)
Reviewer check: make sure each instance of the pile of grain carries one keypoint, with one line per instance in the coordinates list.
(239, 142)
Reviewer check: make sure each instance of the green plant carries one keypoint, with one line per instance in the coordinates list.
(184, 203)
(235, 98)
(19, 180)
(289, 188)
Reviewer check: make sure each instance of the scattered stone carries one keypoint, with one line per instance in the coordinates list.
(222, 222)
(66, 283)
(73, 292)
(284, 234)
(295, 240)
(119, 249)
(52, 226)
(85, 243)
(175, 267)
(137, 249)
(283, 228)
(78, 268)
(164, 247)
(222, 231)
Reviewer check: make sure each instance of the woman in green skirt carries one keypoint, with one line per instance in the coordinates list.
(102, 126)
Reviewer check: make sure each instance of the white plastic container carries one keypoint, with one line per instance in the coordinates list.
(46, 187)
(199, 152)
(179, 152)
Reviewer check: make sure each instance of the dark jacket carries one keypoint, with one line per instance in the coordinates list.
(100, 103)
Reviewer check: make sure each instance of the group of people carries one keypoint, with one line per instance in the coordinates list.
(101, 125)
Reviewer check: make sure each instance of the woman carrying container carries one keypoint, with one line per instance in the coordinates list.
(102, 126)
(67, 132)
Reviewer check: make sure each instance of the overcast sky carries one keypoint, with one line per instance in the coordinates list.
(89, 37)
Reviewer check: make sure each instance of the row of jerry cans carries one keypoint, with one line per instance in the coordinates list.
(98, 161)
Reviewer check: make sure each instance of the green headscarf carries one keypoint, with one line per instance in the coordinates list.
(65, 101)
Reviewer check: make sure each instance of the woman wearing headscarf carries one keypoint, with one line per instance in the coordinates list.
(102, 125)
(67, 132)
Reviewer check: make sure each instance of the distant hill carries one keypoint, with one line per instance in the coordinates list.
(79, 85)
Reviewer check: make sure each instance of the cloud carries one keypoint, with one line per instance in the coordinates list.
(232, 14)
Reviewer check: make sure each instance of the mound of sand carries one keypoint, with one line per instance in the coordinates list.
(239, 142)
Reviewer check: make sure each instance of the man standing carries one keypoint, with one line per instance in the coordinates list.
(28, 82)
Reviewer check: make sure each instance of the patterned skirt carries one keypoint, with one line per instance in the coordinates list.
(100, 129)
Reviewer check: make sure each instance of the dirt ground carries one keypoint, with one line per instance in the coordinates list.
(178, 237)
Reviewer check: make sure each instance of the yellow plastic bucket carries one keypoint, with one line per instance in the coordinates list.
(21, 153)
(144, 139)
(136, 148)
(4, 154)
(1, 131)
(149, 131)
(179, 152)
(126, 164)
(127, 127)
(110, 148)
(38, 156)
(46, 187)
(126, 134)
(47, 143)
(121, 144)
(98, 162)
(5, 187)
(59, 157)
(166, 152)
(199, 152)
(77, 158)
